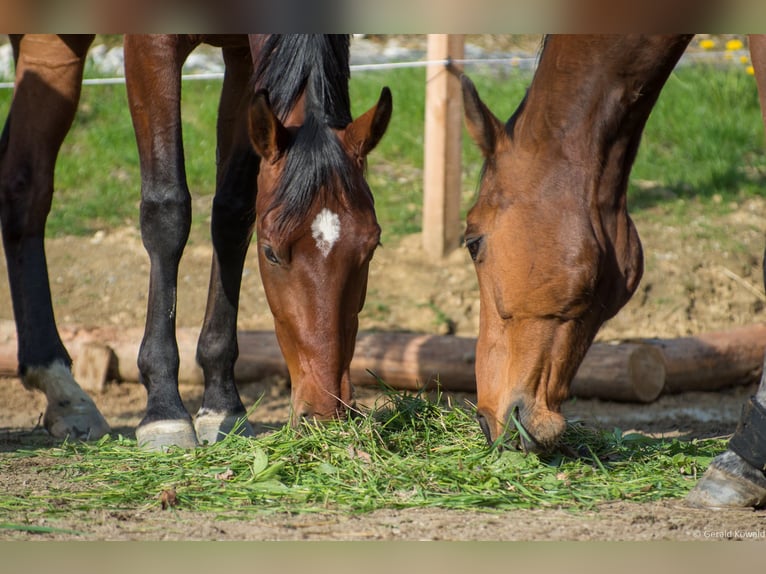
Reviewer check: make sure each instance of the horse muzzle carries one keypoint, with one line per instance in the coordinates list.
(539, 430)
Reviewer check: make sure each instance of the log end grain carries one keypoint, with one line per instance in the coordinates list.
(646, 368)
(630, 372)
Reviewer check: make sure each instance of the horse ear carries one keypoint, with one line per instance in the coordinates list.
(482, 124)
(267, 134)
(364, 133)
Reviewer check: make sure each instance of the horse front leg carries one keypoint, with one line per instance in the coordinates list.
(232, 225)
(48, 78)
(153, 76)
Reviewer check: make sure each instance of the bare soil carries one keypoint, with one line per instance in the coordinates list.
(690, 286)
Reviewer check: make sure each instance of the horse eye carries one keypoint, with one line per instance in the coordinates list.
(474, 245)
(268, 252)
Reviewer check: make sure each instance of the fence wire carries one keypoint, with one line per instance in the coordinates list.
(525, 63)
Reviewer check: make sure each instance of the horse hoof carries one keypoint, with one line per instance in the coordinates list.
(161, 435)
(70, 411)
(212, 427)
(721, 489)
(81, 421)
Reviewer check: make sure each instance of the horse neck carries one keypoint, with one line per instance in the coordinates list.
(588, 103)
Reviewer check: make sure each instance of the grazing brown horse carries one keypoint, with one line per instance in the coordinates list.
(290, 161)
(554, 248)
(316, 223)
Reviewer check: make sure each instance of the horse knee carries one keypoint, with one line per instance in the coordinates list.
(214, 350)
(25, 202)
(165, 223)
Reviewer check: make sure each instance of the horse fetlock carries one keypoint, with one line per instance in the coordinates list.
(70, 412)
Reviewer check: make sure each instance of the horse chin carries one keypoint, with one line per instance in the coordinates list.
(543, 430)
(543, 437)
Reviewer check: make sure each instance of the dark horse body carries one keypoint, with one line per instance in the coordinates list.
(287, 150)
(554, 248)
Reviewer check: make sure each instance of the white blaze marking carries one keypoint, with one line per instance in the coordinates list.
(325, 230)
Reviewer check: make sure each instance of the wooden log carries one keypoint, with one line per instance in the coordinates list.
(125, 344)
(91, 366)
(406, 361)
(623, 371)
(628, 372)
(414, 361)
(8, 349)
(259, 355)
(712, 361)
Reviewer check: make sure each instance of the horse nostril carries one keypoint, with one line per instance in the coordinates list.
(485, 428)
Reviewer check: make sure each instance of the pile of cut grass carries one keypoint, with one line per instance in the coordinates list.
(409, 451)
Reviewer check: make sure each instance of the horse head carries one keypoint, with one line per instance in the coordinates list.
(555, 251)
(317, 232)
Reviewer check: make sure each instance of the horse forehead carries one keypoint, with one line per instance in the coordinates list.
(355, 228)
(326, 229)
(505, 180)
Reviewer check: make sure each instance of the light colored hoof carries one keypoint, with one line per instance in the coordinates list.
(80, 421)
(70, 412)
(721, 489)
(161, 435)
(213, 427)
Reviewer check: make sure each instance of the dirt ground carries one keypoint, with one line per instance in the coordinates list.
(690, 286)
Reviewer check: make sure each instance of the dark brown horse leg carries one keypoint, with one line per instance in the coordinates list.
(737, 478)
(48, 78)
(153, 74)
(232, 226)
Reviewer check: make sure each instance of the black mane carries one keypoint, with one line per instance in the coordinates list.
(317, 65)
(288, 64)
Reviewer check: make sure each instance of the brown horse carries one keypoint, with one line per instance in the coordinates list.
(554, 248)
(287, 151)
(316, 222)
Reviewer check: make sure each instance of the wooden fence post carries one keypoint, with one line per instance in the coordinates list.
(442, 147)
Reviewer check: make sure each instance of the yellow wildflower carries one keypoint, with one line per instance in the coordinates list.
(707, 44)
(750, 70)
(743, 59)
(734, 45)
